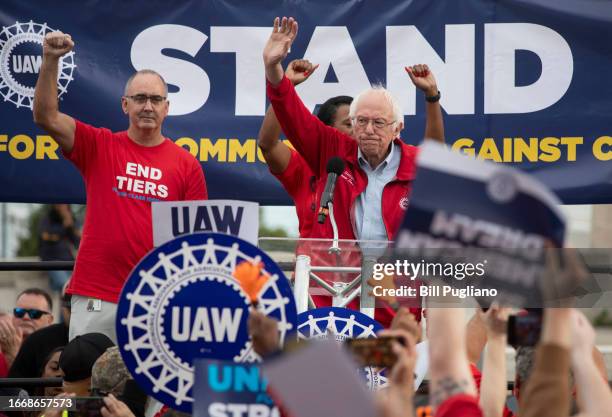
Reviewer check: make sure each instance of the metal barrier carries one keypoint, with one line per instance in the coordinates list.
(30, 382)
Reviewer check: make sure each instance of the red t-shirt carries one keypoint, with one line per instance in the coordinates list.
(300, 183)
(460, 405)
(121, 179)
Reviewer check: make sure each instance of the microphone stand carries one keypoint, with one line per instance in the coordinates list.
(335, 248)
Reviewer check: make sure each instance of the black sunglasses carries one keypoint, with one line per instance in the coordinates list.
(34, 313)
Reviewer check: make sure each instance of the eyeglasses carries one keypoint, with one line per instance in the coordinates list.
(376, 123)
(142, 99)
(34, 313)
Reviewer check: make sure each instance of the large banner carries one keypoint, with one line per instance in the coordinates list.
(523, 82)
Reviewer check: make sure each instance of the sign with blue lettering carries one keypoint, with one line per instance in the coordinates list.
(182, 302)
(487, 239)
(341, 324)
(524, 83)
(224, 388)
(175, 218)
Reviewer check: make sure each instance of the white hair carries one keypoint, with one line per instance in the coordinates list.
(398, 115)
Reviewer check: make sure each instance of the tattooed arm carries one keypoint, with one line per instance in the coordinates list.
(449, 369)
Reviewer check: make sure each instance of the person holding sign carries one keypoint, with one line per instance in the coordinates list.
(123, 173)
(372, 193)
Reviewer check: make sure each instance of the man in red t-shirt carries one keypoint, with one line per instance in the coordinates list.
(123, 173)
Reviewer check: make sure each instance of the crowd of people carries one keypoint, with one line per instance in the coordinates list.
(125, 171)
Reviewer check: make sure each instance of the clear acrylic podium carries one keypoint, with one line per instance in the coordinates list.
(328, 267)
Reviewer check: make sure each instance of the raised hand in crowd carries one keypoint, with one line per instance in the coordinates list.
(493, 385)
(405, 321)
(397, 399)
(387, 284)
(452, 385)
(594, 396)
(115, 408)
(10, 338)
(264, 333)
(278, 45)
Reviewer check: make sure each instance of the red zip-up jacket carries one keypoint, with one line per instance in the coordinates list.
(317, 142)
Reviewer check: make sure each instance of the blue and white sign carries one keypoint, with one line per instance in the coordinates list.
(523, 83)
(341, 324)
(182, 302)
(487, 239)
(231, 389)
(232, 217)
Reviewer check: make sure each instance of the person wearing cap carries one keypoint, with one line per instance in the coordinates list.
(110, 377)
(109, 374)
(78, 359)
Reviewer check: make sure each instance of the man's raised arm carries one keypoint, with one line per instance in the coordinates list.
(275, 152)
(313, 140)
(422, 77)
(46, 110)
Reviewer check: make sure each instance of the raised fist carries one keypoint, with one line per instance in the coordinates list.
(422, 77)
(57, 44)
(299, 70)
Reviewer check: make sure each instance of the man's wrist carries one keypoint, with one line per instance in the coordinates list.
(432, 96)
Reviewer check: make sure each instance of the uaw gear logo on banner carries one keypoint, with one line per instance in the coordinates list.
(20, 61)
(182, 302)
(341, 324)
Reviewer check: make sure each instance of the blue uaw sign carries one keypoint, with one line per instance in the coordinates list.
(227, 388)
(512, 75)
(490, 243)
(341, 324)
(182, 302)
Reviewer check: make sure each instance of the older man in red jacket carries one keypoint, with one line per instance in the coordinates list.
(372, 193)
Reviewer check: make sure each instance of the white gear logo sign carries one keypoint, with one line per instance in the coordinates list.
(342, 324)
(20, 59)
(181, 302)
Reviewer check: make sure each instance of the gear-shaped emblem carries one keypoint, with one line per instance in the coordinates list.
(27, 38)
(342, 324)
(182, 302)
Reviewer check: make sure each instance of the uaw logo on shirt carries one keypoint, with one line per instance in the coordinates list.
(182, 302)
(20, 61)
(342, 324)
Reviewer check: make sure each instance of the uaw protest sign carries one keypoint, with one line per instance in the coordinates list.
(523, 83)
(232, 217)
(486, 239)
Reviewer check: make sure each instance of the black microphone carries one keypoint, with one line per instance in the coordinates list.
(335, 166)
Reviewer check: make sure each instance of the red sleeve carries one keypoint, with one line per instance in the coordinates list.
(314, 140)
(86, 143)
(196, 183)
(292, 177)
(4, 369)
(477, 375)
